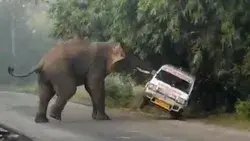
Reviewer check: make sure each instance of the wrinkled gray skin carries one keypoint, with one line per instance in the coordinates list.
(71, 64)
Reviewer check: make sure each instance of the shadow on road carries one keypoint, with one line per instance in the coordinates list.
(8, 134)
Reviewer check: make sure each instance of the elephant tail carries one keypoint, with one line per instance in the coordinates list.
(36, 69)
(11, 72)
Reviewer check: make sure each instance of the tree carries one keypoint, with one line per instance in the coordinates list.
(207, 37)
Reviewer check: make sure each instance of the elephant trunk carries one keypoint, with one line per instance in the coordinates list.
(145, 71)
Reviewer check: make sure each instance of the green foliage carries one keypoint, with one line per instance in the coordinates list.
(243, 109)
(208, 37)
(65, 12)
(119, 89)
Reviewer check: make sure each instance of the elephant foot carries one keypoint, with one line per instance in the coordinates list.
(94, 114)
(41, 118)
(100, 116)
(56, 116)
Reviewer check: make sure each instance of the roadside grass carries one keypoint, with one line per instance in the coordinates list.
(30, 88)
(228, 120)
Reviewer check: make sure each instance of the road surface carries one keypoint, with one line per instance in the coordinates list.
(17, 110)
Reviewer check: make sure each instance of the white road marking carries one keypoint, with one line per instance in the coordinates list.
(123, 137)
(135, 131)
(167, 138)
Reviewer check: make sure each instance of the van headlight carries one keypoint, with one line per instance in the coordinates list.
(181, 100)
(152, 86)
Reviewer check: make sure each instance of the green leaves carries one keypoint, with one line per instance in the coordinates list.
(208, 37)
(146, 25)
(69, 18)
(203, 29)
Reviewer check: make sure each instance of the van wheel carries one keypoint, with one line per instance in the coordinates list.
(175, 115)
(144, 102)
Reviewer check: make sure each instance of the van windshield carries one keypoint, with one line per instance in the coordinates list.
(173, 81)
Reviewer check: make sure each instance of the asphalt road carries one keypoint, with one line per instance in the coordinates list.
(17, 111)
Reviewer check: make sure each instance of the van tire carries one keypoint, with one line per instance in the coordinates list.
(175, 115)
(144, 101)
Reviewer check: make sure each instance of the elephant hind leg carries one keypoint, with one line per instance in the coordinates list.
(46, 92)
(65, 90)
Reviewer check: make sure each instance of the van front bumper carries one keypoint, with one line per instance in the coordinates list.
(165, 103)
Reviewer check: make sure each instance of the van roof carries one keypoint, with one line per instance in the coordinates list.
(169, 66)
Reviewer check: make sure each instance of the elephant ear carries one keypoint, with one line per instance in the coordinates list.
(117, 48)
(117, 52)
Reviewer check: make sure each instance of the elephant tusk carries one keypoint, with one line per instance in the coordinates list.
(143, 71)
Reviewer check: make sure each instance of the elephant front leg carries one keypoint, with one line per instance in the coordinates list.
(94, 112)
(98, 100)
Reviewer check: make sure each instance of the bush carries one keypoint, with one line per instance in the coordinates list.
(119, 90)
(243, 109)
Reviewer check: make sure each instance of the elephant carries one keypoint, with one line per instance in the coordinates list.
(70, 64)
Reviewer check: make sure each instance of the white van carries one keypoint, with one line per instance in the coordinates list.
(169, 88)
